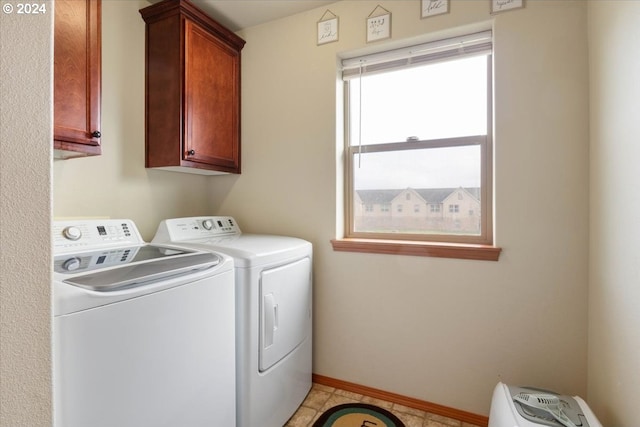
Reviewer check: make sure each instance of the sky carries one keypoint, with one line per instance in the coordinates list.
(443, 100)
(433, 168)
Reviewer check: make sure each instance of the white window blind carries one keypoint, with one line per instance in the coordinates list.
(471, 44)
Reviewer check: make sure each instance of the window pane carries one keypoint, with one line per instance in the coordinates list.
(422, 191)
(442, 100)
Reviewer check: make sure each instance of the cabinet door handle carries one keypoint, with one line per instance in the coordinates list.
(96, 134)
(191, 152)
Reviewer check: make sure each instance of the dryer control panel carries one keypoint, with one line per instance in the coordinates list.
(80, 235)
(181, 229)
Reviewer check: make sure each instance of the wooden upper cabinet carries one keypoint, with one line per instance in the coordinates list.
(77, 77)
(192, 90)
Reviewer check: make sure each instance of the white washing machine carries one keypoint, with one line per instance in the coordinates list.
(143, 335)
(513, 406)
(273, 313)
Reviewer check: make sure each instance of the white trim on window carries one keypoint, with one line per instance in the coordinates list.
(471, 44)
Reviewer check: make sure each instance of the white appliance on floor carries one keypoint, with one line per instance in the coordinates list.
(529, 407)
(143, 335)
(273, 313)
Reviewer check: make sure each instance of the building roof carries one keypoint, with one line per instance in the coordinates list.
(434, 195)
(430, 195)
(377, 197)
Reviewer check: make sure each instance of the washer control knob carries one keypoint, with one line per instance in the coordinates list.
(72, 233)
(207, 224)
(71, 264)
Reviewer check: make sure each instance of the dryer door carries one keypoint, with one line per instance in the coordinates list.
(285, 310)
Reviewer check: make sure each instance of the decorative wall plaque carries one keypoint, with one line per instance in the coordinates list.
(433, 7)
(328, 28)
(378, 24)
(504, 5)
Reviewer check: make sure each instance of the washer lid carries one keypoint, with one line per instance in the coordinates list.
(138, 274)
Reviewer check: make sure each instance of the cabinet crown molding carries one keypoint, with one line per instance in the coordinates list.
(185, 8)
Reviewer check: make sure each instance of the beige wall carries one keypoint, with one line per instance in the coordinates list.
(436, 329)
(25, 218)
(116, 184)
(614, 292)
(441, 330)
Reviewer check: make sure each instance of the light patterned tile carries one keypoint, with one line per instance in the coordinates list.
(316, 399)
(407, 410)
(449, 422)
(322, 387)
(348, 394)
(315, 418)
(378, 402)
(336, 400)
(321, 398)
(302, 418)
(432, 423)
(410, 420)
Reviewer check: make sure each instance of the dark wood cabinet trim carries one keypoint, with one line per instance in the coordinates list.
(72, 141)
(187, 9)
(168, 140)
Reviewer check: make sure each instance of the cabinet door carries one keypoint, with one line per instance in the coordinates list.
(212, 101)
(77, 76)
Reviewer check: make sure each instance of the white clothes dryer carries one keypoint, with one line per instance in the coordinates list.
(273, 313)
(143, 335)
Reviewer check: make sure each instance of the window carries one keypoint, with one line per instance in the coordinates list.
(418, 121)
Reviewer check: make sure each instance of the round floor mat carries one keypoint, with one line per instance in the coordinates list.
(357, 415)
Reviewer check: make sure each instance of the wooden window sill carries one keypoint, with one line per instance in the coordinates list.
(428, 249)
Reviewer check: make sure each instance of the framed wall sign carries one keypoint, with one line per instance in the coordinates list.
(433, 7)
(328, 28)
(504, 5)
(378, 24)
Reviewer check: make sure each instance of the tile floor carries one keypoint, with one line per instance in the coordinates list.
(321, 398)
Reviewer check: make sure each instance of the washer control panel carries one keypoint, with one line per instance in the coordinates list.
(181, 229)
(84, 261)
(73, 236)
